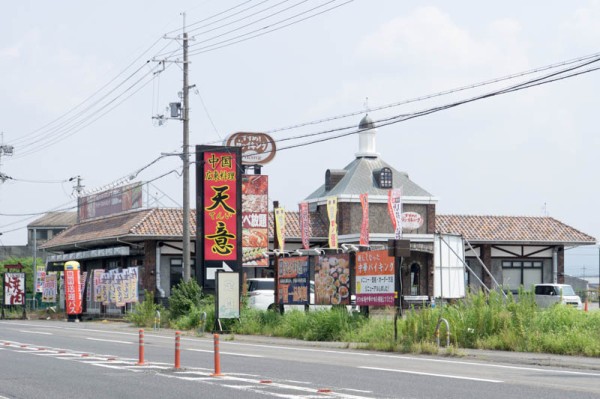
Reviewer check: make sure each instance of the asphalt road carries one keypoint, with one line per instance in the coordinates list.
(56, 359)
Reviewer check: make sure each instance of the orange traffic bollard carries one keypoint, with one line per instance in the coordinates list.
(217, 357)
(177, 350)
(141, 350)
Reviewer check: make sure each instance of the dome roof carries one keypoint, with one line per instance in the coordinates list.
(366, 123)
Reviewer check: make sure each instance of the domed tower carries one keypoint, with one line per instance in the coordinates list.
(366, 139)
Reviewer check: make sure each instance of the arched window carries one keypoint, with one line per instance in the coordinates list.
(385, 178)
(415, 278)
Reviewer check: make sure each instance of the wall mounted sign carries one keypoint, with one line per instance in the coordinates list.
(411, 220)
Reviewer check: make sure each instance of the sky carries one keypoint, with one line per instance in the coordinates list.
(81, 83)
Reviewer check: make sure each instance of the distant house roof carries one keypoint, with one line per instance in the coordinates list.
(360, 178)
(511, 229)
(55, 219)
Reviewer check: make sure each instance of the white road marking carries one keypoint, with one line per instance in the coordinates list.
(110, 340)
(458, 377)
(222, 353)
(35, 332)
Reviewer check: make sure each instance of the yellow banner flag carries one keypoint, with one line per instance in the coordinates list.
(280, 227)
(332, 213)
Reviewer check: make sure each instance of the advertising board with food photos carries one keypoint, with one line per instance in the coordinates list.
(332, 280)
(375, 278)
(255, 209)
(292, 280)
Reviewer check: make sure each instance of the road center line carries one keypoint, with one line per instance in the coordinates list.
(430, 374)
(109, 340)
(224, 353)
(35, 332)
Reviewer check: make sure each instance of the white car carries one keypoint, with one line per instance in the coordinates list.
(261, 293)
(547, 295)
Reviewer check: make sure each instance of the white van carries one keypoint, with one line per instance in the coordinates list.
(547, 295)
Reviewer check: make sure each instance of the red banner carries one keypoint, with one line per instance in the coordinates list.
(304, 224)
(72, 288)
(220, 206)
(364, 228)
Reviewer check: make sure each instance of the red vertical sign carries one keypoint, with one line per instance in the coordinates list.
(72, 288)
(304, 224)
(220, 206)
(364, 228)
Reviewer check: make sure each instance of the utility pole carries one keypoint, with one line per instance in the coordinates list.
(186, 161)
(4, 150)
(181, 111)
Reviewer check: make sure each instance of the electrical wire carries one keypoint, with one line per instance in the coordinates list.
(242, 38)
(434, 95)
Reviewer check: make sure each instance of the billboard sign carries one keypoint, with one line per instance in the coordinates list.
(109, 202)
(332, 280)
(219, 212)
(292, 280)
(255, 229)
(375, 278)
(14, 288)
(257, 148)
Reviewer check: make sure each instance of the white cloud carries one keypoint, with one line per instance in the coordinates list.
(582, 26)
(429, 37)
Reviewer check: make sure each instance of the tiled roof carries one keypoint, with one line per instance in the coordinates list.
(529, 229)
(55, 219)
(159, 223)
(318, 227)
(156, 222)
(167, 224)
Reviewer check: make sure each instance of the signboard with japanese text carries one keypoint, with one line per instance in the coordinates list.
(332, 280)
(304, 219)
(333, 228)
(280, 226)
(97, 285)
(257, 148)
(255, 209)
(395, 210)
(375, 278)
(72, 288)
(14, 288)
(49, 288)
(40, 273)
(293, 280)
(219, 212)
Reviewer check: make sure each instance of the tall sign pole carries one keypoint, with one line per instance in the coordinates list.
(186, 162)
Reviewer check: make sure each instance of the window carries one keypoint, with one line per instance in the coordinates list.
(415, 277)
(518, 272)
(176, 266)
(385, 178)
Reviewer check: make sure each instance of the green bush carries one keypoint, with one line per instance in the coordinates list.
(184, 297)
(143, 314)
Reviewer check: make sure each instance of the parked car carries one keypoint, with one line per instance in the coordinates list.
(261, 293)
(547, 295)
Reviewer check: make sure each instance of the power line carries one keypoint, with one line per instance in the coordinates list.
(434, 95)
